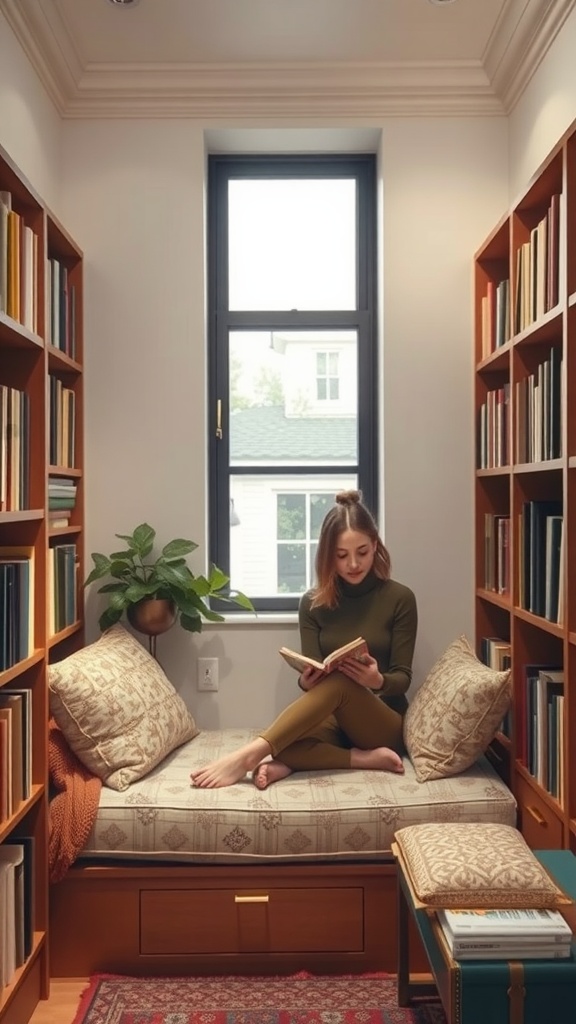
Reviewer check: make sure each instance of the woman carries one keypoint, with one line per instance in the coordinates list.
(351, 718)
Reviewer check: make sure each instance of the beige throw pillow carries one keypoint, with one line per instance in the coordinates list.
(454, 715)
(475, 865)
(118, 712)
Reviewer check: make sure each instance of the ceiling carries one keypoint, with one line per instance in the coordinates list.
(285, 59)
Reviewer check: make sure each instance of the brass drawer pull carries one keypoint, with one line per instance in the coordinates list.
(538, 818)
(251, 899)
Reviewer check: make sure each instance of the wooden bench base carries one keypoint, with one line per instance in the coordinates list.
(324, 918)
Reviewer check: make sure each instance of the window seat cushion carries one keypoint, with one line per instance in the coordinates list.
(347, 815)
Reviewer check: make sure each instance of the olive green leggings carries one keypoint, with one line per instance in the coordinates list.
(318, 730)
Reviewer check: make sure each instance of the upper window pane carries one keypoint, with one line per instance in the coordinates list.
(283, 411)
(292, 244)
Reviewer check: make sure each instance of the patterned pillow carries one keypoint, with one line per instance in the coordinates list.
(454, 715)
(118, 712)
(475, 865)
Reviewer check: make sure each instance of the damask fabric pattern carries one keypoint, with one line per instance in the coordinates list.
(454, 715)
(306, 817)
(475, 865)
(118, 711)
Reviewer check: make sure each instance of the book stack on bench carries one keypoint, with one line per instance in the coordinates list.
(506, 934)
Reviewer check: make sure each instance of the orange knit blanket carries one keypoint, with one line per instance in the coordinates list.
(74, 806)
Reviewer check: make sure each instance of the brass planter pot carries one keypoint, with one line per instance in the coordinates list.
(152, 615)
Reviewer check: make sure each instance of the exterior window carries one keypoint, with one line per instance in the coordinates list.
(298, 521)
(327, 383)
(292, 361)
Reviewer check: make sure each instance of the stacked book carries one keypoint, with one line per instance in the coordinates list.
(61, 501)
(506, 934)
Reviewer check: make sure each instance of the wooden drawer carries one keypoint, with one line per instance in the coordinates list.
(283, 920)
(540, 826)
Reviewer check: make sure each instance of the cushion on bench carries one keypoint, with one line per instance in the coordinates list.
(347, 815)
(475, 865)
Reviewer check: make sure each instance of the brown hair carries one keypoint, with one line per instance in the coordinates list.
(349, 513)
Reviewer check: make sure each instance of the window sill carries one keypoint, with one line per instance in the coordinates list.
(248, 619)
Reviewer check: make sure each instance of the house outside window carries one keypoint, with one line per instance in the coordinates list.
(292, 361)
(327, 381)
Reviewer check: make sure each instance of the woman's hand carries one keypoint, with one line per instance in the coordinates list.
(365, 672)
(310, 677)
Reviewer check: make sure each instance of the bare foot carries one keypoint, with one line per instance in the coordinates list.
(268, 772)
(381, 759)
(230, 769)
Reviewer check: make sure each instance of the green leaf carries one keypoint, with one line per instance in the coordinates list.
(178, 548)
(137, 590)
(199, 585)
(119, 601)
(109, 618)
(189, 603)
(119, 568)
(192, 623)
(101, 568)
(143, 539)
(112, 588)
(217, 578)
(237, 597)
(123, 556)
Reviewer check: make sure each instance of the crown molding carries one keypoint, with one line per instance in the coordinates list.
(49, 48)
(520, 41)
(284, 91)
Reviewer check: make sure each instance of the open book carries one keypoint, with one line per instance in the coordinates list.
(357, 648)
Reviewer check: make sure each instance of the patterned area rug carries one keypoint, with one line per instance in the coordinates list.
(299, 999)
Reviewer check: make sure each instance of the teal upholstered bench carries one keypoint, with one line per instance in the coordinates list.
(477, 991)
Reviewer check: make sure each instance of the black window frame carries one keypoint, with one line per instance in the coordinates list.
(220, 321)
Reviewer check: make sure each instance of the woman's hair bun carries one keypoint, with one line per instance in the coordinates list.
(348, 498)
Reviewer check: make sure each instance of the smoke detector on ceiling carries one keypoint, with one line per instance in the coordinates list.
(124, 3)
(439, 3)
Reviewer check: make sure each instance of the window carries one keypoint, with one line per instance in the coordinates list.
(327, 383)
(292, 360)
(298, 521)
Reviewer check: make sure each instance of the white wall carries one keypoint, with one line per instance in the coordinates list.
(30, 128)
(444, 189)
(545, 111)
(134, 197)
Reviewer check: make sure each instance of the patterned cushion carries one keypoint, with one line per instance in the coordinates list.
(311, 816)
(453, 716)
(118, 711)
(475, 865)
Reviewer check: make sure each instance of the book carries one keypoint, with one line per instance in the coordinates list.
(506, 934)
(4, 794)
(10, 857)
(357, 648)
(510, 952)
(14, 702)
(492, 924)
(25, 873)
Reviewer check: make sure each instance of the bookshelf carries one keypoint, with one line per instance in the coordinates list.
(525, 490)
(41, 459)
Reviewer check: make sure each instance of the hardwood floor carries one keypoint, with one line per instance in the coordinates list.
(63, 1003)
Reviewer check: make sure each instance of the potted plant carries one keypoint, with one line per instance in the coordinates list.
(154, 593)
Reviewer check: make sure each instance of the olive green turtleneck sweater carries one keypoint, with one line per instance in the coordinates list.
(384, 613)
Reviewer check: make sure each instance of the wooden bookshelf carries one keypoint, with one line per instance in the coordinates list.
(525, 409)
(32, 352)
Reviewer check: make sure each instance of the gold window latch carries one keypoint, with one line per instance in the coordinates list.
(219, 419)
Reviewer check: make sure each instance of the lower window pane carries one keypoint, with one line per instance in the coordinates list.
(274, 530)
(291, 569)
